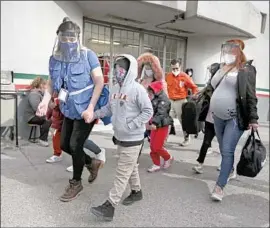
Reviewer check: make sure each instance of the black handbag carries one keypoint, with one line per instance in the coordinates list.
(253, 156)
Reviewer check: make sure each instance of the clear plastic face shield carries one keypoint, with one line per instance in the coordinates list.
(119, 72)
(229, 52)
(67, 47)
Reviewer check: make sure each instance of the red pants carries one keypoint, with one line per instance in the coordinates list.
(157, 140)
(56, 143)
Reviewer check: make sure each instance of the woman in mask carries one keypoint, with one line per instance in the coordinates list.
(77, 79)
(233, 105)
(149, 70)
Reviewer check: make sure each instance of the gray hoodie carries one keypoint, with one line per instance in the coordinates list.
(129, 106)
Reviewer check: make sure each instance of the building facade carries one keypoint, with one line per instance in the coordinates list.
(190, 30)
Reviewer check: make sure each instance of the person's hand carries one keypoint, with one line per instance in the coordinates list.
(88, 115)
(195, 96)
(52, 105)
(42, 109)
(147, 126)
(253, 126)
(153, 127)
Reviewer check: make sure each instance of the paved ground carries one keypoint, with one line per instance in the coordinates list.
(177, 198)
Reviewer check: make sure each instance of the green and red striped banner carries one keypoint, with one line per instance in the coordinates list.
(22, 81)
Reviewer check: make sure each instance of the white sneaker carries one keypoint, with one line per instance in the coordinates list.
(217, 194)
(185, 143)
(54, 159)
(102, 157)
(43, 143)
(232, 175)
(168, 163)
(210, 150)
(198, 168)
(153, 168)
(70, 169)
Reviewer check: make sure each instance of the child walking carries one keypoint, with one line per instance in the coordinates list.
(159, 126)
(131, 109)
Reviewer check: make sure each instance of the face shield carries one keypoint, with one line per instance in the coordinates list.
(147, 73)
(120, 70)
(67, 47)
(229, 52)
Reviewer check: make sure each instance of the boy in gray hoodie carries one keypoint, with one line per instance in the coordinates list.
(130, 108)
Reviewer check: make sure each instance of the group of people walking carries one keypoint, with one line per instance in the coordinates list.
(140, 100)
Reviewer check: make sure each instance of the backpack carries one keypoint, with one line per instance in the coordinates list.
(190, 112)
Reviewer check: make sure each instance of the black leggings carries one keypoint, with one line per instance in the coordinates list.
(209, 134)
(73, 136)
(44, 126)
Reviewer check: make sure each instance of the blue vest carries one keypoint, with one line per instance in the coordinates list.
(75, 78)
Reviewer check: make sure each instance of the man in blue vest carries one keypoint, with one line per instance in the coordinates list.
(76, 76)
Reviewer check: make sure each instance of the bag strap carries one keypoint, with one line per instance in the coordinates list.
(224, 76)
(253, 133)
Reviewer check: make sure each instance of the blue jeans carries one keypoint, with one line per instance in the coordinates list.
(228, 135)
(90, 145)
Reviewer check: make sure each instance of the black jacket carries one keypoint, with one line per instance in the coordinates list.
(246, 96)
(161, 106)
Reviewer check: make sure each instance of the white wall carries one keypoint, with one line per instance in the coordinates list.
(28, 31)
(241, 14)
(203, 51)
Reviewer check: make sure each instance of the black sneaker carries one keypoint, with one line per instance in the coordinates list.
(104, 211)
(133, 197)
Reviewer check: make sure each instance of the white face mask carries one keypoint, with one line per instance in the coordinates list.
(149, 73)
(176, 73)
(229, 59)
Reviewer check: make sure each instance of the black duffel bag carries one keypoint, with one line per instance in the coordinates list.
(253, 156)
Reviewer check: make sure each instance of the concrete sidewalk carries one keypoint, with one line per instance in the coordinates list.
(30, 189)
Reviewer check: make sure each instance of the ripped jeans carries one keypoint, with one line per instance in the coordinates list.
(228, 135)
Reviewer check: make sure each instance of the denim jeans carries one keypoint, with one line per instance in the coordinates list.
(228, 135)
(90, 145)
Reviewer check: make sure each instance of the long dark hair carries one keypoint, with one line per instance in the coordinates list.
(189, 70)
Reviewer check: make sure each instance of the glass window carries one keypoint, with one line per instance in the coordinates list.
(97, 38)
(154, 44)
(127, 42)
(171, 52)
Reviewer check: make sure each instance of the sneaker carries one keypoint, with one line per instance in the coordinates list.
(232, 175)
(104, 211)
(54, 159)
(102, 157)
(217, 194)
(93, 169)
(168, 163)
(133, 197)
(210, 150)
(153, 168)
(72, 191)
(43, 143)
(70, 169)
(198, 168)
(185, 143)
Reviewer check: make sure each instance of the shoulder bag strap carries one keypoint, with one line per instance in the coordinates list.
(223, 76)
